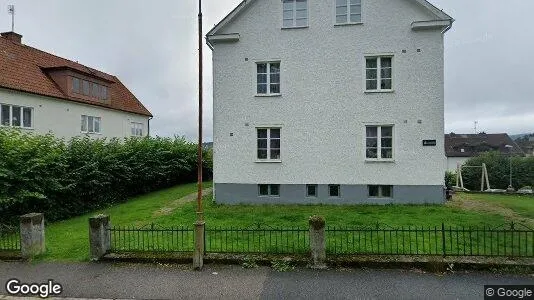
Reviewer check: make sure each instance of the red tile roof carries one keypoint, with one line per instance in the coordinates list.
(22, 68)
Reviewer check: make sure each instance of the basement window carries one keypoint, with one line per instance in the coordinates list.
(269, 190)
(380, 191)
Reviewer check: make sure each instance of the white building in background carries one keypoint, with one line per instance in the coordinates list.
(334, 101)
(42, 93)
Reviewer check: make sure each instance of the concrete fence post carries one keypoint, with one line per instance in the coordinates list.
(198, 255)
(317, 242)
(32, 235)
(99, 239)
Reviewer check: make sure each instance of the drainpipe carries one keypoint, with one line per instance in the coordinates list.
(148, 126)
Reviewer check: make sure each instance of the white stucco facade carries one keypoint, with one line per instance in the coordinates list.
(63, 117)
(323, 108)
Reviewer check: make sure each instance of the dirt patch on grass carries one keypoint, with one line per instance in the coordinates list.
(463, 201)
(170, 207)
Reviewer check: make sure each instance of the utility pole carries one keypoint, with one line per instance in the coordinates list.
(510, 187)
(200, 213)
(198, 255)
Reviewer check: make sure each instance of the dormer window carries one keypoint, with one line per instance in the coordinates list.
(90, 89)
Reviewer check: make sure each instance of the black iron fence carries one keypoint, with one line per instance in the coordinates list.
(511, 240)
(9, 238)
(151, 238)
(257, 239)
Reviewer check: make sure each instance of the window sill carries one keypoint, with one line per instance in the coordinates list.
(272, 161)
(380, 198)
(96, 133)
(348, 24)
(378, 91)
(17, 127)
(268, 196)
(295, 27)
(268, 95)
(391, 161)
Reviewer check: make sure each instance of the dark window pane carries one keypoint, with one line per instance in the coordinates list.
(373, 191)
(262, 154)
(263, 189)
(275, 154)
(288, 23)
(275, 133)
(371, 142)
(262, 78)
(15, 116)
(386, 73)
(341, 19)
(386, 84)
(371, 63)
(86, 88)
(75, 85)
(371, 73)
(262, 143)
(311, 190)
(275, 88)
(90, 123)
(262, 68)
(355, 18)
(288, 5)
(262, 89)
(97, 125)
(387, 191)
(95, 90)
(342, 11)
(275, 78)
(387, 153)
(372, 131)
(275, 144)
(371, 85)
(387, 131)
(275, 68)
(333, 190)
(371, 153)
(27, 117)
(385, 62)
(262, 133)
(104, 93)
(5, 115)
(386, 142)
(84, 123)
(275, 189)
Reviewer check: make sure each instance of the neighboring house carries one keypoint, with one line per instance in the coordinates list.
(460, 147)
(40, 92)
(527, 144)
(334, 101)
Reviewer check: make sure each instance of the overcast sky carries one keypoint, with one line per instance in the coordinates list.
(152, 47)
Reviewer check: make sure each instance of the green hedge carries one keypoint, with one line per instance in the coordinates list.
(68, 178)
(498, 166)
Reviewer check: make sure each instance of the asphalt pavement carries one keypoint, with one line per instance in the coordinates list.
(160, 281)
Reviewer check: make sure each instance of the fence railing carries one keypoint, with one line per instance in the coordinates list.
(9, 238)
(513, 240)
(262, 239)
(151, 238)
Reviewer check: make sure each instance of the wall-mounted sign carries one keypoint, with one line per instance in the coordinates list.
(429, 142)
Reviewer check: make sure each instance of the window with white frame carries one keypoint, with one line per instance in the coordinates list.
(269, 190)
(311, 190)
(348, 11)
(137, 129)
(379, 142)
(16, 116)
(91, 124)
(295, 13)
(380, 191)
(334, 190)
(379, 71)
(268, 76)
(268, 143)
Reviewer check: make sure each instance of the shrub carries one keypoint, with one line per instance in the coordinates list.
(450, 179)
(67, 178)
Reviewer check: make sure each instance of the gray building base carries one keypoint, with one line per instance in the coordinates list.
(236, 193)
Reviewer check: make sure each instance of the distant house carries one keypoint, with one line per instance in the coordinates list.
(42, 93)
(460, 147)
(527, 144)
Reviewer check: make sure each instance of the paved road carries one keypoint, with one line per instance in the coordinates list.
(140, 281)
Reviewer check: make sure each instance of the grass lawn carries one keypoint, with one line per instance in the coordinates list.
(68, 240)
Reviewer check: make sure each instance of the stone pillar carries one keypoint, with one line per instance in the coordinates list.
(32, 235)
(317, 242)
(198, 255)
(99, 239)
